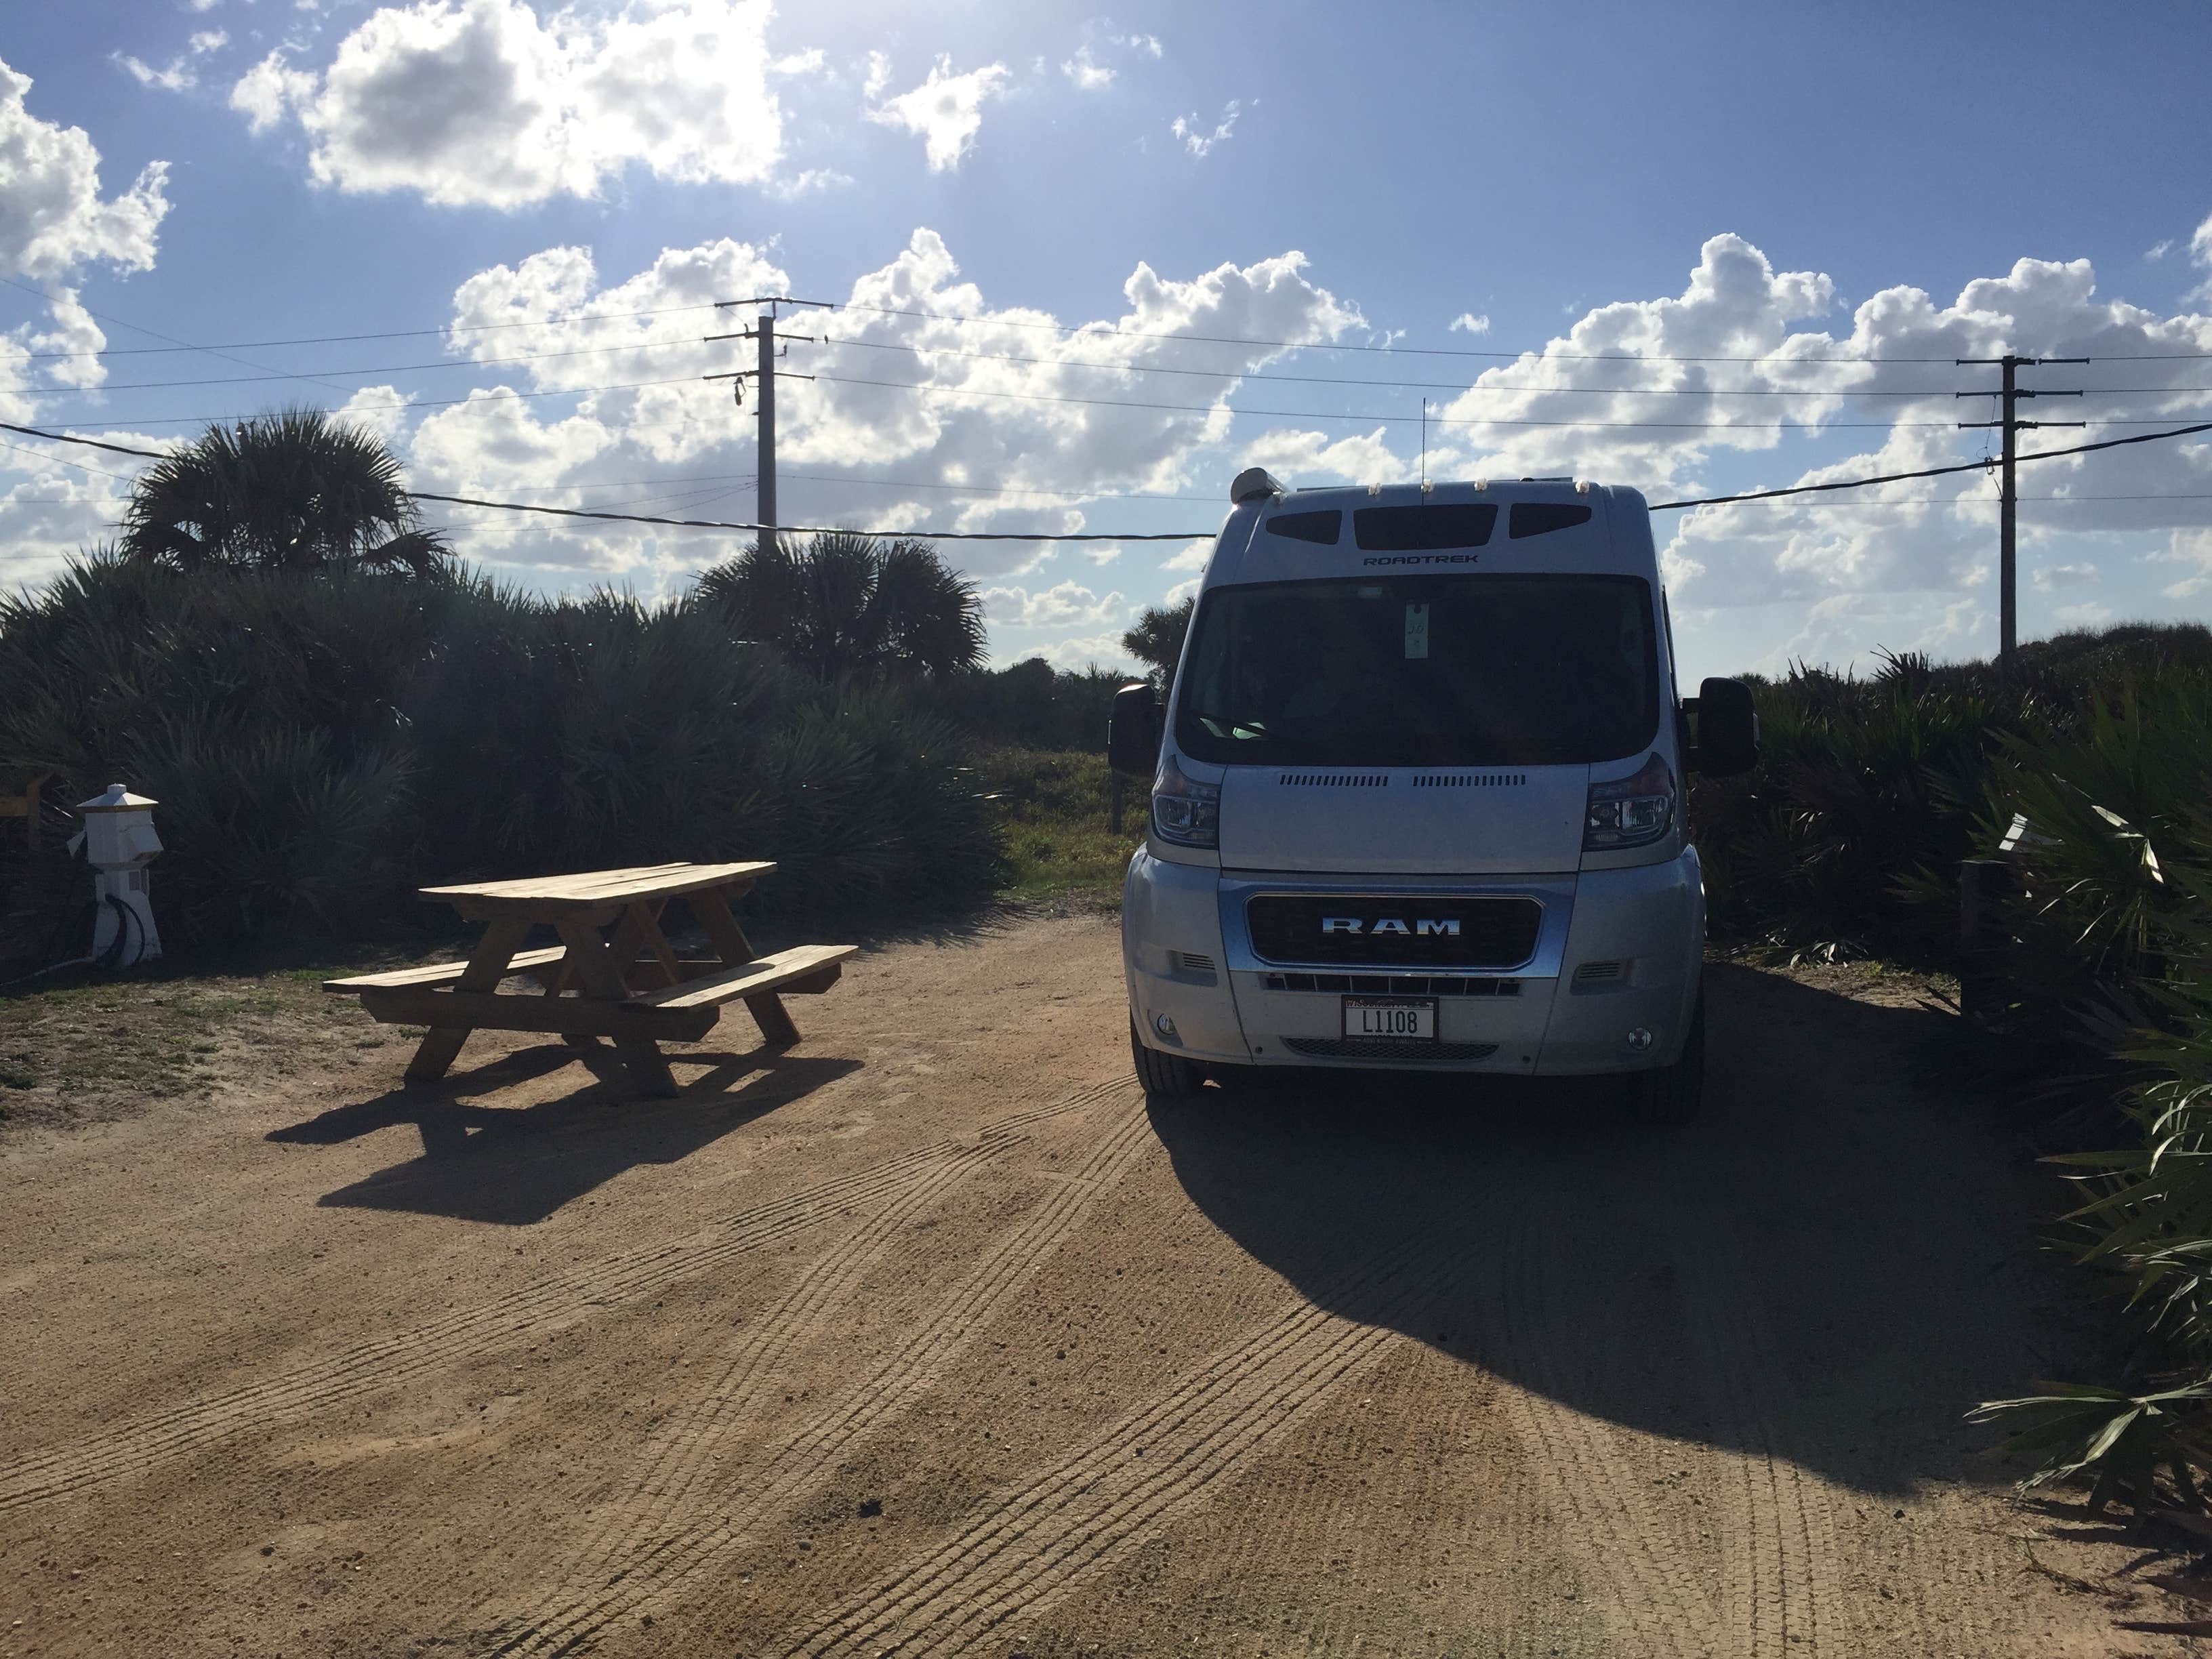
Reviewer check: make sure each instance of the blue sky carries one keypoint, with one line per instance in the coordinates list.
(536, 204)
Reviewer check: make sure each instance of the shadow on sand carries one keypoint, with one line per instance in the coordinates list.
(1830, 1267)
(518, 1165)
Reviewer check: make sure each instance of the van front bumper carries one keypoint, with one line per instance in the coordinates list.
(1609, 988)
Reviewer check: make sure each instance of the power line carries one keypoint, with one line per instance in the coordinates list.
(1161, 536)
(373, 369)
(1468, 420)
(488, 395)
(1463, 387)
(1926, 473)
(156, 334)
(1463, 351)
(387, 334)
(1102, 333)
(1460, 387)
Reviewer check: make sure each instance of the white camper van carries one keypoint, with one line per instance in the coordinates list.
(1416, 796)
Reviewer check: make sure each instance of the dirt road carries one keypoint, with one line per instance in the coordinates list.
(929, 1337)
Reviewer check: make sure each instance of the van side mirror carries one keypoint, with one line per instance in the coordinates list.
(1133, 732)
(1727, 729)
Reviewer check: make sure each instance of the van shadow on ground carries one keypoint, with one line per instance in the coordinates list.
(1830, 1267)
(516, 1165)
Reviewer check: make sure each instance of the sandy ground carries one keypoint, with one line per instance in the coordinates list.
(930, 1337)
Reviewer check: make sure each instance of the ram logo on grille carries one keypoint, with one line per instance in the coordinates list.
(1447, 930)
(1442, 927)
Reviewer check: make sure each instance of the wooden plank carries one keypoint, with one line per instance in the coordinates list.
(547, 896)
(751, 979)
(637, 923)
(556, 885)
(720, 925)
(436, 973)
(487, 966)
(648, 921)
(712, 911)
(486, 1011)
(598, 972)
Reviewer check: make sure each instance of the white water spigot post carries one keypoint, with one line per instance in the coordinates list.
(119, 842)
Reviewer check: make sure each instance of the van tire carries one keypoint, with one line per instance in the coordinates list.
(1164, 1077)
(1674, 1094)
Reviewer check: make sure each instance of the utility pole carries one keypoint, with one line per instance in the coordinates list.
(2007, 558)
(763, 330)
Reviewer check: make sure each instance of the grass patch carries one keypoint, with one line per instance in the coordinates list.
(1054, 810)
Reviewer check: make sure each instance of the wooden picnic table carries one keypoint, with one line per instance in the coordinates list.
(614, 974)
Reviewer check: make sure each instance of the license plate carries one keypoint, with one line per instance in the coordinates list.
(1410, 1019)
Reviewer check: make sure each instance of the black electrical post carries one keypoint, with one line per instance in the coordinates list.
(2007, 557)
(763, 330)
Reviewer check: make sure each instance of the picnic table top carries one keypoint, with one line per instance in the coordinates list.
(595, 890)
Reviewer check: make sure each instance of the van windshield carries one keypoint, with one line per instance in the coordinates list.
(1422, 671)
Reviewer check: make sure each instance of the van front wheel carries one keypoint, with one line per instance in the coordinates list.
(1164, 1077)
(1673, 1094)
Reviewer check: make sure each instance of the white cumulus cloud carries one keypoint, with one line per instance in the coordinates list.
(52, 217)
(54, 222)
(1066, 604)
(1467, 323)
(2064, 575)
(984, 444)
(1191, 130)
(944, 111)
(483, 102)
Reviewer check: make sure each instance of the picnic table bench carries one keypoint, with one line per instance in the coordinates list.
(614, 974)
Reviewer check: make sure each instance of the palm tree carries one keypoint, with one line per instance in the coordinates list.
(1156, 640)
(846, 605)
(291, 491)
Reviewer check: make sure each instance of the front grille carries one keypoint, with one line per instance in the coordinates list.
(1470, 780)
(1380, 1048)
(1396, 985)
(1333, 780)
(1440, 932)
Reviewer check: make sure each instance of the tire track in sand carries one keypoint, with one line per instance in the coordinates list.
(1780, 1591)
(1081, 1511)
(658, 1541)
(148, 1442)
(1581, 1459)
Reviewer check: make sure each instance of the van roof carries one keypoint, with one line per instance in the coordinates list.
(1614, 536)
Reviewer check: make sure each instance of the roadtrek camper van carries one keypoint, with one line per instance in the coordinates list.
(1416, 796)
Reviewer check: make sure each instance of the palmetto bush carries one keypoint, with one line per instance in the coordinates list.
(323, 741)
(297, 490)
(1869, 790)
(2100, 747)
(849, 607)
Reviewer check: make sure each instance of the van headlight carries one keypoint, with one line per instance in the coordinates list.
(1631, 811)
(1184, 811)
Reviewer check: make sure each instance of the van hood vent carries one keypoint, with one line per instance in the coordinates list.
(1430, 822)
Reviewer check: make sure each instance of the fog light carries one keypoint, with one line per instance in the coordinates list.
(1165, 1027)
(1639, 1039)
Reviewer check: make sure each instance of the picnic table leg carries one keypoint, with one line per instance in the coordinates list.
(488, 965)
(720, 926)
(601, 979)
(640, 930)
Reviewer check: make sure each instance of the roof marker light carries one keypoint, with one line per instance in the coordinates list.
(1482, 483)
(1582, 486)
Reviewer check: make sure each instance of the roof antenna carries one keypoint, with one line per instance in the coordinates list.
(1424, 444)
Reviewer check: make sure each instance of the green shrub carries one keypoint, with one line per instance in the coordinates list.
(322, 743)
